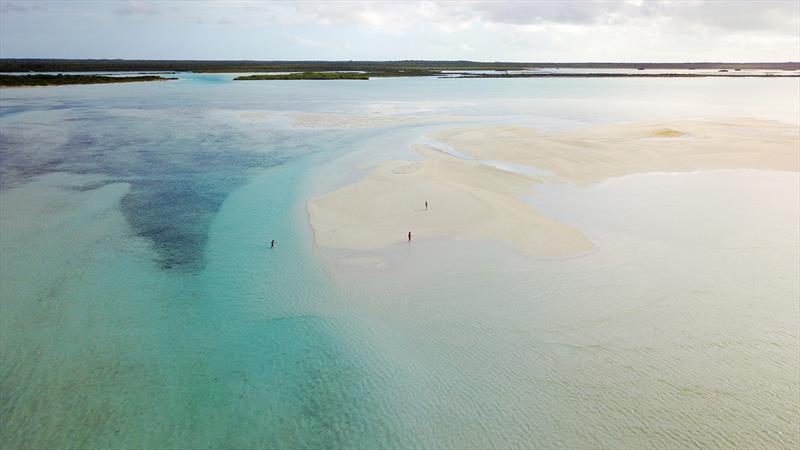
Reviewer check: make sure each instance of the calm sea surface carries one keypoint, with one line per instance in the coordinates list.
(141, 307)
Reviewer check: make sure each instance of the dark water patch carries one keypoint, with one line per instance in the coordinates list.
(174, 195)
(175, 192)
(17, 166)
(174, 215)
(7, 110)
(180, 164)
(66, 104)
(11, 106)
(31, 145)
(23, 157)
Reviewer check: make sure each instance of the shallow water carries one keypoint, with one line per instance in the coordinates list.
(138, 291)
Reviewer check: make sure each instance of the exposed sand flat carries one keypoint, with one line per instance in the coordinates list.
(471, 200)
(466, 200)
(594, 154)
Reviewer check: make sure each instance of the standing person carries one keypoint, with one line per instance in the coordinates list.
(426, 205)
(409, 236)
(272, 245)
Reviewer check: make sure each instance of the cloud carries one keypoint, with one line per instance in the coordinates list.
(604, 30)
(722, 15)
(137, 8)
(397, 17)
(306, 42)
(19, 8)
(563, 12)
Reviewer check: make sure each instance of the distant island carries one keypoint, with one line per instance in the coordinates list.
(387, 68)
(307, 76)
(497, 74)
(357, 75)
(60, 80)
(40, 70)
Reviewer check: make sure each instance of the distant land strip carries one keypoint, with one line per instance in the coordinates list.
(121, 65)
(307, 76)
(60, 80)
(384, 74)
(614, 75)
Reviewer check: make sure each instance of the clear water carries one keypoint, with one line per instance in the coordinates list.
(140, 305)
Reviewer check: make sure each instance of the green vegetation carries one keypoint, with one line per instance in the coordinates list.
(343, 70)
(344, 75)
(308, 76)
(59, 80)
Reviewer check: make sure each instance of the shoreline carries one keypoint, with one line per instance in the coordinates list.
(472, 200)
(13, 81)
(467, 200)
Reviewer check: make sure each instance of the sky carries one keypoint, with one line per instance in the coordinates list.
(525, 31)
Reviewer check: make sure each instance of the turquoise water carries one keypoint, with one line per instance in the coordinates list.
(142, 307)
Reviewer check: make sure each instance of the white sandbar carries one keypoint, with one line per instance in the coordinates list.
(471, 200)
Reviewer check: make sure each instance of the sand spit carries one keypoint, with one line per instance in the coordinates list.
(471, 200)
(466, 200)
(595, 154)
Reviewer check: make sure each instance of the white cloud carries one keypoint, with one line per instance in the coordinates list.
(132, 7)
(306, 42)
(731, 15)
(601, 30)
